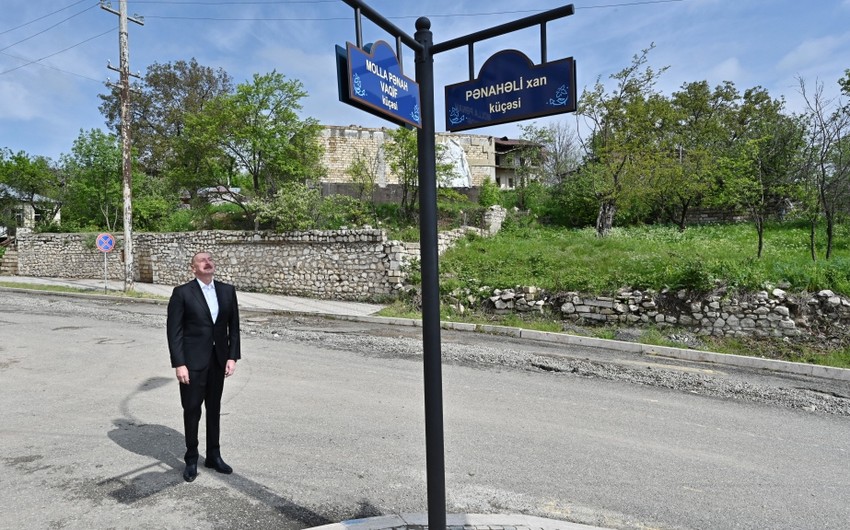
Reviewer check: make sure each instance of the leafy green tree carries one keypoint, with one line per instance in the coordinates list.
(30, 180)
(759, 169)
(167, 95)
(626, 133)
(259, 129)
(401, 153)
(295, 206)
(402, 156)
(256, 132)
(700, 140)
(364, 170)
(93, 195)
(336, 211)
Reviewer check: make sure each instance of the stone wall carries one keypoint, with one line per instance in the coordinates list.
(763, 314)
(336, 264)
(341, 264)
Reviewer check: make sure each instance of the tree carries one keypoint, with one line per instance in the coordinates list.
(560, 153)
(700, 140)
(159, 108)
(402, 156)
(295, 206)
(759, 169)
(364, 170)
(625, 127)
(401, 153)
(826, 163)
(93, 194)
(256, 131)
(30, 180)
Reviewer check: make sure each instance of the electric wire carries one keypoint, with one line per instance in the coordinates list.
(45, 30)
(41, 17)
(266, 19)
(33, 61)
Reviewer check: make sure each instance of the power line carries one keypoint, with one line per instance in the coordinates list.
(45, 30)
(33, 61)
(328, 19)
(226, 3)
(42, 17)
(630, 4)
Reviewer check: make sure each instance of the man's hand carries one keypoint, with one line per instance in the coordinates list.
(229, 368)
(182, 374)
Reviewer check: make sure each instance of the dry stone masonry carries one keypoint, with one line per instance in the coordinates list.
(358, 264)
(772, 313)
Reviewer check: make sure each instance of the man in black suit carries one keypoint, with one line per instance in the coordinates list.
(203, 340)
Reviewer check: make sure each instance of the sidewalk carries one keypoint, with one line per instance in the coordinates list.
(250, 301)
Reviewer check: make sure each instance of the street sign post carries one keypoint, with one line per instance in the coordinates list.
(422, 44)
(105, 244)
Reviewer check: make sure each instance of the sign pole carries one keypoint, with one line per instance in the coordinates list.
(424, 49)
(105, 275)
(429, 255)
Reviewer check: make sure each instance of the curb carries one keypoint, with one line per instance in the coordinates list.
(456, 521)
(740, 361)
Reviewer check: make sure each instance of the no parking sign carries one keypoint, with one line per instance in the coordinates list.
(105, 242)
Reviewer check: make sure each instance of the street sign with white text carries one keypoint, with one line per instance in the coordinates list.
(372, 80)
(509, 87)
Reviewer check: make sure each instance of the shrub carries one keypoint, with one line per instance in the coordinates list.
(294, 207)
(489, 194)
(181, 220)
(337, 211)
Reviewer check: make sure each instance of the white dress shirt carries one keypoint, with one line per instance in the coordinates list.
(209, 295)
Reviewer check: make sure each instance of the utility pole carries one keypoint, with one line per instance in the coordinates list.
(126, 153)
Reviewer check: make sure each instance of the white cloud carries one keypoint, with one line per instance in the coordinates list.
(16, 103)
(728, 70)
(813, 51)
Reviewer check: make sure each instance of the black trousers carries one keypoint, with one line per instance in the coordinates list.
(205, 387)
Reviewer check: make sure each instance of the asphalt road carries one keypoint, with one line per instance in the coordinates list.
(324, 421)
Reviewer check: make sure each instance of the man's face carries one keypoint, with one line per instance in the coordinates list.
(203, 265)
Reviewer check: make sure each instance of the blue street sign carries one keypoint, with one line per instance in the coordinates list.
(105, 242)
(372, 80)
(509, 87)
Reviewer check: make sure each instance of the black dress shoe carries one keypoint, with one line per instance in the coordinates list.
(218, 464)
(191, 472)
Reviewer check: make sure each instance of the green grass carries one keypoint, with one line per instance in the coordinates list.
(655, 257)
(700, 259)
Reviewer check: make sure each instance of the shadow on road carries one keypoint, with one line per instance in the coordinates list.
(166, 446)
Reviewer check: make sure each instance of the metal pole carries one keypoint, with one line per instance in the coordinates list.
(105, 275)
(434, 450)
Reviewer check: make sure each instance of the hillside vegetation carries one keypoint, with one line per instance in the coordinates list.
(699, 259)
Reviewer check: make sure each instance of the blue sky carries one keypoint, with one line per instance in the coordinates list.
(53, 53)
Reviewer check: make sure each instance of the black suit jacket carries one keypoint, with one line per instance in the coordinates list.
(193, 337)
